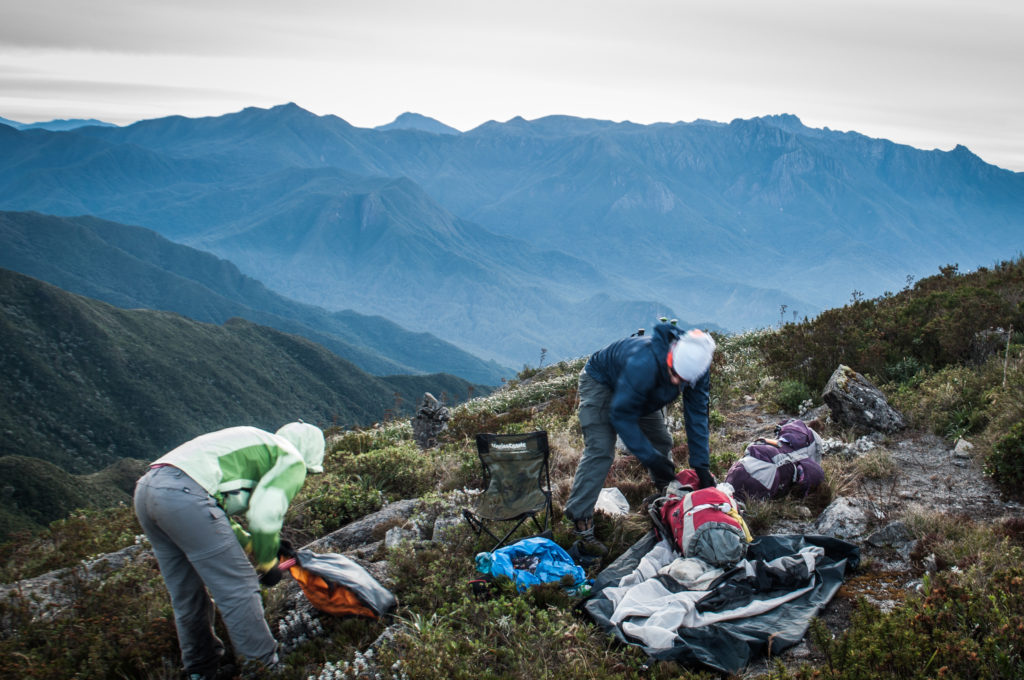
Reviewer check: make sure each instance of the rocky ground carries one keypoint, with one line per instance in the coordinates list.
(929, 475)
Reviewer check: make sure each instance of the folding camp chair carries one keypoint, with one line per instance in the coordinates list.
(517, 484)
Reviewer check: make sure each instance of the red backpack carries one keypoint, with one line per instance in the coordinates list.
(705, 524)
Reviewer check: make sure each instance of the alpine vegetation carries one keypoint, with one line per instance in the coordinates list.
(932, 511)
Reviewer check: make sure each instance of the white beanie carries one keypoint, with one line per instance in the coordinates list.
(309, 440)
(691, 355)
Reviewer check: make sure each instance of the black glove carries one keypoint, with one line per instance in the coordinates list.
(285, 549)
(271, 577)
(706, 478)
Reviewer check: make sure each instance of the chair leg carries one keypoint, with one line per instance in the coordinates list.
(511, 531)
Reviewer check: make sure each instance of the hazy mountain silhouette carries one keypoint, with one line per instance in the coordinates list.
(717, 222)
(415, 121)
(135, 267)
(56, 124)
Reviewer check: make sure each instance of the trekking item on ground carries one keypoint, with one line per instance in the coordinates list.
(530, 562)
(517, 484)
(771, 468)
(705, 523)
(612, 501)
(587, 550)
(337, 585)
(661, 616)
(740, 585)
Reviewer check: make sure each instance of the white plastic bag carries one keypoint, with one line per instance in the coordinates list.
(612, 502)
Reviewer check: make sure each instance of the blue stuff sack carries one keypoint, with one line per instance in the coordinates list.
(530, 562)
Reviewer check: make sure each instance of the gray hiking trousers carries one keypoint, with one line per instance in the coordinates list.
(198, 552)
(599, 445)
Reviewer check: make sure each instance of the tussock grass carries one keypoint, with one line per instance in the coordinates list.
(876, 464)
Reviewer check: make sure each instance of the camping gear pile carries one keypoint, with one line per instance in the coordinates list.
(699, 589)
(684, 610)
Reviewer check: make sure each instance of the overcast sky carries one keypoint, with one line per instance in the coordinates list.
(929, 73)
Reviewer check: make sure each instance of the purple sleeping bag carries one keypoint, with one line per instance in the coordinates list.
(771, 468)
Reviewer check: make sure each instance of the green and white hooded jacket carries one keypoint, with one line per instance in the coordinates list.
(248, 469)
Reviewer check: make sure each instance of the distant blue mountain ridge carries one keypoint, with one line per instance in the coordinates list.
(560, 232)
(55, 125)
(415, 121)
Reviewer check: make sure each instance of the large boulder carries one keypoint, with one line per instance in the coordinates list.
(847, 518)
(856, 402)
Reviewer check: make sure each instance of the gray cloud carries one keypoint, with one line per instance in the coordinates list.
(16, 86)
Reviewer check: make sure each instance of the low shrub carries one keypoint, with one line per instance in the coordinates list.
(67, 541)
(877, 463)
(506, 636)
(328, 502)
(907, 370)
(118, 625)
(1006, 461)
(791, 395)
(738, 368)
(466, 424)
(961, 542)
(958, 630)
(361, 441)
(400, 471)
(951, 403)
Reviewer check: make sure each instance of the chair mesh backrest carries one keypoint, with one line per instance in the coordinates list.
(515, 468)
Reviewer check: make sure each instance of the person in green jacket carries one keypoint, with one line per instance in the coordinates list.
(185, 503)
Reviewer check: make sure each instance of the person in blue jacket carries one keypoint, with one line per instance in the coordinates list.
(623, 389)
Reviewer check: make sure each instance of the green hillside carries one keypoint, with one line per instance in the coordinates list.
(83, 384)
(134, 267)
(37, 492)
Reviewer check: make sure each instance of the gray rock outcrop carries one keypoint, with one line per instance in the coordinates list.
(847, 518)
(430, 420)
(857, 403)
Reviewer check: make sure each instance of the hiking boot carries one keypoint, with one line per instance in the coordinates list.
(227, 672)
(587, 549)
(586, 553)
(208, 672)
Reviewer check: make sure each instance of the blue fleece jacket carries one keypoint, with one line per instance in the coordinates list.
(635, 369)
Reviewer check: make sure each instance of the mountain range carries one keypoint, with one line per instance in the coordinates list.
(84, 384)
(558, 233)
(416, 121)
(57, 124)
(133, 267)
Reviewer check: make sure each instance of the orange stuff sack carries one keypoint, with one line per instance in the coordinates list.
(337, 585)
(331, 599)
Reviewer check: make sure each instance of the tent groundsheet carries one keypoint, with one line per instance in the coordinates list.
(700, 627)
